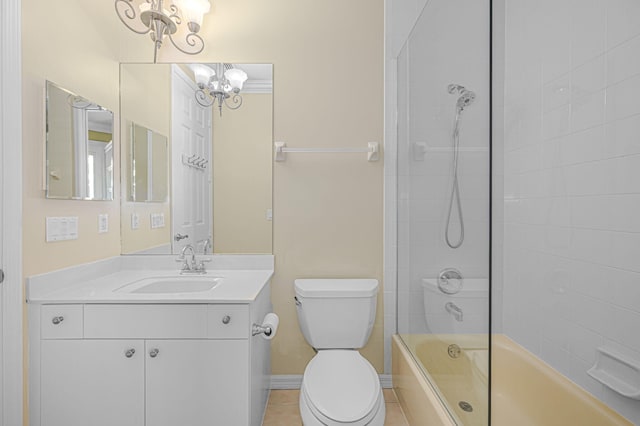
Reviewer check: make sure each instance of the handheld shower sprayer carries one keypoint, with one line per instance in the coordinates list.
(466, 96)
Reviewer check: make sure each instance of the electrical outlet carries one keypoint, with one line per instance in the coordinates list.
(135, 221)
(103, 223)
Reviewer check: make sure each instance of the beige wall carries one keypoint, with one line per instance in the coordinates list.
(146, 100)
(328, 81)
(242, 176)
(83, 61)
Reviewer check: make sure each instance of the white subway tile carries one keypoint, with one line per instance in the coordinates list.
(591, 212)
(625, 174)
(578, 373)
(622, 99)
(591, 279)
(625, 286)
(625, 251)
(623, 21)
(557, 93)
(625, 326)
(555, 40)
(622, 213)
(556, 123)
(588, 30)
(588, 78)
(587, 111)
(623, 62)
(622, 137)
(583, 343)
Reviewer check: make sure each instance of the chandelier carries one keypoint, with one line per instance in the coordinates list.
(160, 18)
(219, 82)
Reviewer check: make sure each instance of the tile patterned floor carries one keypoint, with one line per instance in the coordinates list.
(282, 409)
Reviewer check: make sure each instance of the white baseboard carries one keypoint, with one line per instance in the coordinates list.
(286, 381)
(385, 381)
(294, 381)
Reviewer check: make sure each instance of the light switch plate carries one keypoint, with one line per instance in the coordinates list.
(157, 220)
(61, 228)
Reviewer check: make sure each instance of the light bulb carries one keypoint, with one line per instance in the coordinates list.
(236, 78)
(193, 11)
(202, 74)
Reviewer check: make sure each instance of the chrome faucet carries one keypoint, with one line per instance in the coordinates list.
(454, 310)
(206, 246)
(190, 265)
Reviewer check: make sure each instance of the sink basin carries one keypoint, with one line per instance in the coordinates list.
(168, 285)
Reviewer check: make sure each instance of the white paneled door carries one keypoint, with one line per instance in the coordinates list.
(11, 294)
(1, 299)
(191, 165)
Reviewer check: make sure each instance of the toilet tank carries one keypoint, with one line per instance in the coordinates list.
(336, 313)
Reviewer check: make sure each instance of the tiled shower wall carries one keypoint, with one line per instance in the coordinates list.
(572, 183)
(448, 45)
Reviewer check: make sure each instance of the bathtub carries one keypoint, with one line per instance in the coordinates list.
(524, 390)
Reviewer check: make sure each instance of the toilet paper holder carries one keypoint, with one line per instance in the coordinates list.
(261, 329)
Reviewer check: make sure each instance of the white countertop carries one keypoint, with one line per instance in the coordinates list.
(240, 282)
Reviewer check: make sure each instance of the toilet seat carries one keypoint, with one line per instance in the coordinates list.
(341, 387)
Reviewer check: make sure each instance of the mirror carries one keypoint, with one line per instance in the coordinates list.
(218, 158)
(148, 165)
(79, 147)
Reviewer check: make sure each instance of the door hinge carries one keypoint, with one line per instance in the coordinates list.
(1, 276)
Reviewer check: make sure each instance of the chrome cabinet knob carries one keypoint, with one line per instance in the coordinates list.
(129, 353)
(154, 352)
(226, 319)
(57, 320)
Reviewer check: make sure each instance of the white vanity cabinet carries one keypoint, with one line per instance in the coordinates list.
(148, 364)
(92, 382)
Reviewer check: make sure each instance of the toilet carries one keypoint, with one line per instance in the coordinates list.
(339, 386)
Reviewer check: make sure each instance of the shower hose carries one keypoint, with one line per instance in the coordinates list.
(455, 190)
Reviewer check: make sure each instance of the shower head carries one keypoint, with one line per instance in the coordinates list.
(466, 96)
(465, 100)
(453, 88)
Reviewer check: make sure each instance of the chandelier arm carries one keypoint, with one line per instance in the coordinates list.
(126, 12)
(204, 99)
(236, 99)
(175, 14)
(193, 40)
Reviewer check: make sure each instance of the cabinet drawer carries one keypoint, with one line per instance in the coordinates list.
(228, 321)
(145, 321)
(61, 321)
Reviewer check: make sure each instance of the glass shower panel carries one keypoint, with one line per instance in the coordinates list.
(444, 202)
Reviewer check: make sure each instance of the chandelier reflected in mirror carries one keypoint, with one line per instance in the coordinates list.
(165, 18)
(219, 83)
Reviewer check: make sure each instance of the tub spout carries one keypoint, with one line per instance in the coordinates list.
(454, 310)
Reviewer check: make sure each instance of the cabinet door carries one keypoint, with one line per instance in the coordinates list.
(92, 382)
(197, 382)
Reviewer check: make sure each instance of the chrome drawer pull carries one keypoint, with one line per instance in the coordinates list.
(226, 319)
(129, 353)
(57, 320)
(154, 353)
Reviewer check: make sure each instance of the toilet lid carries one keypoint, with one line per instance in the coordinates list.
(341, 385)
